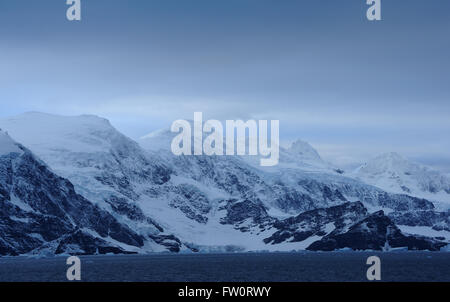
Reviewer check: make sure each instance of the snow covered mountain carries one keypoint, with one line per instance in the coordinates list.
(218, 203)
(107, 168)
(288, 189)
(394, 173)
(302, 155)
(303, 183)
(41, 211)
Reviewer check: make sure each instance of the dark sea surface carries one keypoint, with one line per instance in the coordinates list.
(308, 266)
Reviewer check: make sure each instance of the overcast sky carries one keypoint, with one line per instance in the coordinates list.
(350, 87)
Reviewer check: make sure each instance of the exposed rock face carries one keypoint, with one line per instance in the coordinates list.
(246, 215)
(375, 232)
(81, 243)
(172, 243)
(315, 222)
(185, 197)
(437, 220)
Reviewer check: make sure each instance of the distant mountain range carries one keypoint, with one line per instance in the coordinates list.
(75, 185)
(394, 173)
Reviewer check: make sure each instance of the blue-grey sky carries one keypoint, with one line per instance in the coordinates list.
(350, 87)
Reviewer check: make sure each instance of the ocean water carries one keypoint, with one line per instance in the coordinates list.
(252, 267)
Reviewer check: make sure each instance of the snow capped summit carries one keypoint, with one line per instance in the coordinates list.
(304, 150)
(84, 133)
(394, 173)
(67, 142)
(88, 150)
(301, 155)
(386, 162)
(7, 145)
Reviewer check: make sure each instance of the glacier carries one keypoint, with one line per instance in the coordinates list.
(162, 202)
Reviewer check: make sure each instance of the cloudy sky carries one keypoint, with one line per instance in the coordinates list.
(350, 87)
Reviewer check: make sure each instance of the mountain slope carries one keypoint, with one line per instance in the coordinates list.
(347, 226)
(291, 187)
(38, 207)
(375, 232)
(198, 203)
(394, 173)
(270, 193)
(106, 167)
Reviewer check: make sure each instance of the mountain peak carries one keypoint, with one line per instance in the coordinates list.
(37, 115)
(389, 162)
(304, 150)
(393, 156)
(394, 173)
(50, 131)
